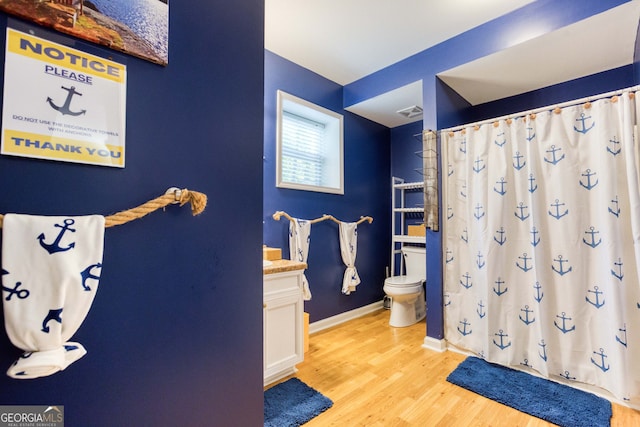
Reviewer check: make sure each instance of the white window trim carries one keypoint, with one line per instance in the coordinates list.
(309, 110)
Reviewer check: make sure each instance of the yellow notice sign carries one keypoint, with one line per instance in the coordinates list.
(62, 104)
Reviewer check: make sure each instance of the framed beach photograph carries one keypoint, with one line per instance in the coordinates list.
(135, 27)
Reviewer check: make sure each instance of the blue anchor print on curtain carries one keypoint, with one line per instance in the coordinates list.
(583, 118)
(451, 170)
(601, 363)
(478, 165)
(501, 183)
(614, 148)
(500, 143)
(498, 288)
(623, 340)
(560, 270)
(502, 337)
(500, 237)
(564, 327)
(616, 209)
(519, 164)
(520, 211)
(554, 159)
(464, 330)
(463, 146)
(55, 245)
(532, 185)
(480, 310)
(467, 283)
(557, 214)
(543, 355)
(21, 294)
(538, 294)
(534, 236)
(567, 375)
(525, 267)
(596, 292)
(449, 256)
(449, 213)
(525, 362)
(530, 134)
(526, 319)
(479, 261)
(618, 274)
(479, 212)
(588, 185)
(592, 232)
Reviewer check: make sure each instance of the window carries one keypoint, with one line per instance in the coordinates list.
(309, 146)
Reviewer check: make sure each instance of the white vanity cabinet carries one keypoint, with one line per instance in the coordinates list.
(283, 324)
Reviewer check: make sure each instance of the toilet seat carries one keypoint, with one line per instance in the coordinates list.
(403, 281)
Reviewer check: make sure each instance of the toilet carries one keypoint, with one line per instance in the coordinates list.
(407, 292)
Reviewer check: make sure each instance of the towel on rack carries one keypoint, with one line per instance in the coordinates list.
(299, 238)
(50, 271)
(348, 249)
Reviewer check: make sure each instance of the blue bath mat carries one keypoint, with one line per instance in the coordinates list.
(292, 403)
(541, 398)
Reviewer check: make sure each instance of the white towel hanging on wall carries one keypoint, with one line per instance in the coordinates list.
(299, 238)
(50, 272)
(348, 249)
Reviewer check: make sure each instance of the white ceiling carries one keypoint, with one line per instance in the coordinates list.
(345, 40)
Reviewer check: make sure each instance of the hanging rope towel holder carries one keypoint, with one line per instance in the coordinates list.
(172, 196)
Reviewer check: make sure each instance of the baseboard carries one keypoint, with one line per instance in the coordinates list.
(343, 317)
(435, 344)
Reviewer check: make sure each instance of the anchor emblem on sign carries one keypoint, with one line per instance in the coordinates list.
(564, 328)
(64, 109)
(55, 246)
(584, 129)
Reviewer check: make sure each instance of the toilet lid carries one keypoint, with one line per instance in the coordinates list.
(403, 281)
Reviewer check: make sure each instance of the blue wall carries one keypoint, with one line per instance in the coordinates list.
(174, 336)
(367, 192)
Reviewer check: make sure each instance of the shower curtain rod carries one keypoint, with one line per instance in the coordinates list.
(547, 108)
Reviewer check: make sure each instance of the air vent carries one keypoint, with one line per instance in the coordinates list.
(411, 112)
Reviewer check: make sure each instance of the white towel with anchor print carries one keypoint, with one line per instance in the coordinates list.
(50, 271)
(299, 238)
(348, 249)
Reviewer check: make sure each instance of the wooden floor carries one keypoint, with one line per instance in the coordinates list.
(377, 375)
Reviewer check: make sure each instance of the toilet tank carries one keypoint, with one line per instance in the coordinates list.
(415, 261)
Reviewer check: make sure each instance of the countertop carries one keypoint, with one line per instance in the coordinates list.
(282, 265)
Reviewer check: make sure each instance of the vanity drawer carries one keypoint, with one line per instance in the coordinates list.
(282, 282)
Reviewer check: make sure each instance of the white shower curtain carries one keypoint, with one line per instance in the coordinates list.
(541, 243)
